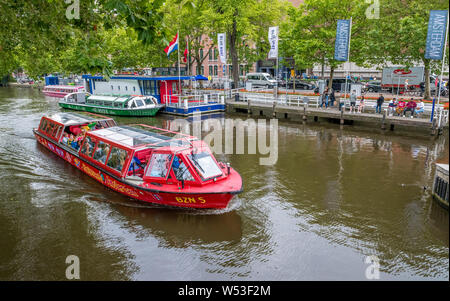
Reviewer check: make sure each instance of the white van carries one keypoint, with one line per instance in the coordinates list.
(261, 79)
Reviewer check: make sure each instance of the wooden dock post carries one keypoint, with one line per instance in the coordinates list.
(274, 114)
(249, 109)
(342, 117)
(304, 114)
(434, 127)
(383, 121)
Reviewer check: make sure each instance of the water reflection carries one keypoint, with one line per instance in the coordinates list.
(334, 196)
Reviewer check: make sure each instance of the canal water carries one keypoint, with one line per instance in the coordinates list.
(334, 197)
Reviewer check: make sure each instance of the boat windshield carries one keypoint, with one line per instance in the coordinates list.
(139, 103)
(159, 165)
(149, 101)
(205, 165)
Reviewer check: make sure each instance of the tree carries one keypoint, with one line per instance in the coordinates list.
(406, 44)
(246, 23)
(309, 33)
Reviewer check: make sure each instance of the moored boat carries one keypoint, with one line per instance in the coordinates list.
(61, 90)
(132, 105)
(142, 162)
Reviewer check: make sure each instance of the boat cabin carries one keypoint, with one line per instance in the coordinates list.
(164, 88)
(59, 126)
(130, 102)
(152, 156)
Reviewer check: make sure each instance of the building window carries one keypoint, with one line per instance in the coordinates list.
(210, 70)
(202, 70)
(201, 53)
(216, 54)
(210, 55)
(215, 70)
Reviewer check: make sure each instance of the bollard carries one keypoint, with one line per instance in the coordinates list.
(383, 121)
(304, 113)
(342, 117)
(273, 109)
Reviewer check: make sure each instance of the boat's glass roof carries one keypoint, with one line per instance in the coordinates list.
(132, 136)
(108, 98)
(75, 118)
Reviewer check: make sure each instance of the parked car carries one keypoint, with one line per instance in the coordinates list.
(261, 79)
(337, 84)
(300, 85)
(373, 86)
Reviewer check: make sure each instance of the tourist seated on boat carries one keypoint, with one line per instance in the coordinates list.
(135, 165)
(71, 139)
(65, 138)
(181, 171)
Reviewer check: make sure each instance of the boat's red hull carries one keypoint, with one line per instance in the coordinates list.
(189, 200)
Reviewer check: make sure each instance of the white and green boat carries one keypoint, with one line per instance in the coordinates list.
(112, 105)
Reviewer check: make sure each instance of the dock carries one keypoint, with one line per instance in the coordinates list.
(440, 185)
(297, 112)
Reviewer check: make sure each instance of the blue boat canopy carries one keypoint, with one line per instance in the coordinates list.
(147, 77)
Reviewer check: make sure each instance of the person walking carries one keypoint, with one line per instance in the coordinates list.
(353, 101)
(332, 98)
(380, 101)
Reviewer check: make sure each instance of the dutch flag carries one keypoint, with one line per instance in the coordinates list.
(172, 46)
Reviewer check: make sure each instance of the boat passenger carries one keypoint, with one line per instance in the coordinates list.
(70, 140)
(65, 138)
(135, 164)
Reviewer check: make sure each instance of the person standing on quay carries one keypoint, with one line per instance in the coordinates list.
(380, 101)
(332, 98)
(353, 101)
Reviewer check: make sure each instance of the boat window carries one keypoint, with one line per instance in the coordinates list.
(159, 165)
(139, 102)
(50, 128)
(181, 171)
(102, 151)
(88, 147)
(107, 103)
(43, 126)
(149, 101)
(205, 165)
(99, 102)
(133, 105)
(117, 159)
(56, 131)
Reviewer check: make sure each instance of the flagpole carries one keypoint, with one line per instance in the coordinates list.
(443, 63)
(179, 75)
(348, 59)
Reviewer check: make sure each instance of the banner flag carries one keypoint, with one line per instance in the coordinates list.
(437, 27)
(222, 41)
(273, 41)
(341, 45)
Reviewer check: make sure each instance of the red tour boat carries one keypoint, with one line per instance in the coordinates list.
(143, 162)
(61, 90)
